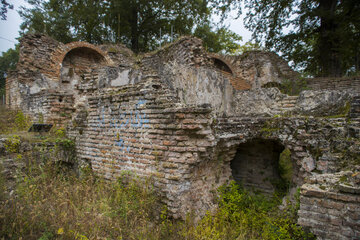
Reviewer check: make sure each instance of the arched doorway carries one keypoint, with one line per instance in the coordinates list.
(257, 166)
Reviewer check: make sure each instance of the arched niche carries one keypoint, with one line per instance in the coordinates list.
(83, 58)
(81, 64)
(221, 65)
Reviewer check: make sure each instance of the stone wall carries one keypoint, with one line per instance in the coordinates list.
(259, 68)
(347, 83)
(329, 205)
(355, 107)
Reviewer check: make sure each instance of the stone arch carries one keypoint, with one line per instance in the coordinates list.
(64, 50)
(222, 64)
(236, 81)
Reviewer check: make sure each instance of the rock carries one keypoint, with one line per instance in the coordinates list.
(323, 103)
(260, 102)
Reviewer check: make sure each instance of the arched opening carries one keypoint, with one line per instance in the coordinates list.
(82, 64)
(83, 57)
(222, 66)
(262, 166)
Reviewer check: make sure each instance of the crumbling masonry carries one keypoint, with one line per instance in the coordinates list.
(192, 121)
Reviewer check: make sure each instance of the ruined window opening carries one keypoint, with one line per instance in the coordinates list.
(60, 99)
(222, 66)
(257, 166)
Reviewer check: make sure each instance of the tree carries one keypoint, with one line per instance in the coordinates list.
(8, 61)
(221, 40)
(137, 23)
(4, 8)
(65, 20)
(142, 24)
(320, 36)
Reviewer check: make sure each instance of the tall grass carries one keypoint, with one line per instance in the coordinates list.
(53, 205)
(52, 202)
(12, 120)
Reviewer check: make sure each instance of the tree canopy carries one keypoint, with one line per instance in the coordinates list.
(320, 36)
(219, 40)
(140, 24)
(8, 61)
(4, 8)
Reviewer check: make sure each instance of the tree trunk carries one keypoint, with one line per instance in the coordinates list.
(134, 27)
(328, 42)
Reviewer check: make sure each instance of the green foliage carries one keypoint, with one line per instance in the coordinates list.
(136, 23)
(286, 168)
(254, 216)
(13, 121)
(319, 37)
(2, 183)
(8, 62)
(4, 7)
(12, 144)
(221, 40)
(141, 25)
(293, 87)
(22, 122)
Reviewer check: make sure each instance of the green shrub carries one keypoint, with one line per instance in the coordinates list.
(13, 120)
(244, 215)
(22, 122)
(293, 87)
(12, 144)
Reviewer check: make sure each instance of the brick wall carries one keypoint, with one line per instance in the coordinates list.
(187, 152)
(329, 206)
(139, 130)
(50, 107)
(348, 83)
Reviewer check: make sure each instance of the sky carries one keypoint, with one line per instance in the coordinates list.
(9, 29)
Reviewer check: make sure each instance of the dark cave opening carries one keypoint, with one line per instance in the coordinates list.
(257, 166)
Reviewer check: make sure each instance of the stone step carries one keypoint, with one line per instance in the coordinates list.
(292, 97)
(288, 106)
(287, 102)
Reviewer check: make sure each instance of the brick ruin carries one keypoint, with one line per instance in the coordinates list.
(192, 121)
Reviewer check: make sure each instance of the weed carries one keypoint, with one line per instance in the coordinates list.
(13, 121)
(12, 144)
